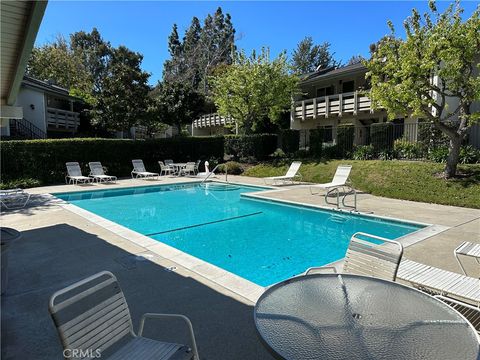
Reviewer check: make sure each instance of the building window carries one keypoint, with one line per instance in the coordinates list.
(325, 91)
(348, 86)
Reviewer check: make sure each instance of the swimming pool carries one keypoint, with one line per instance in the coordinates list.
(262, 241)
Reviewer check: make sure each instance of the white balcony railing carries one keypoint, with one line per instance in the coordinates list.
(338, 105)
(210, 120)
(62, 120)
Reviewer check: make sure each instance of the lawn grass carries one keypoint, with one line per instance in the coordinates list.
(408, 180)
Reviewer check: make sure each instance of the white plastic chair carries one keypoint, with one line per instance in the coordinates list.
(92, 316)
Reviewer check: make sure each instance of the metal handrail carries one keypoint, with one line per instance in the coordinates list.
(27, 129)
(213, 172)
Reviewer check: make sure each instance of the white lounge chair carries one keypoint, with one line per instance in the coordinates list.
(14, 198)
(98, 174)
(291, 174)
(92, 316)
(366, 256)
(74, 174)
(140, 172)
(339, 179)
(439, 281)
(471, 313)
(467, 249)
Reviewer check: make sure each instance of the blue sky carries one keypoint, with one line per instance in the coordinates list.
(350, 26)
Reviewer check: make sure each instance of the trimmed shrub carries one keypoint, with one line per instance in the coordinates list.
(250, 147)
(316, 142)
(20, 183)
(332, 151)
(233, 168)
(382, 137)
(44, 160)
(289, 141)
(469, 155)
(438, 154)
(405, 149)
(363, 152)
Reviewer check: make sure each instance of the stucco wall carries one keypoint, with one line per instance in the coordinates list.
(26, 98)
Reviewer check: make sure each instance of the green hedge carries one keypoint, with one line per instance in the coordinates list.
(289, 140)
(44, 160)
(250, 147)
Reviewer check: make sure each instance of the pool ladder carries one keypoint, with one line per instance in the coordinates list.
(346, 191)
(213, 173)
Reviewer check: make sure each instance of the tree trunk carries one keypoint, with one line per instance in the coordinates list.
(453, 156)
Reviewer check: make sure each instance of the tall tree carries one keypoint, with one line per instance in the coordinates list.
(356, 59)
(202, 49)
(177, 103)
(433, 73)
(124, 98)
(307, 57)
(254, 88)
(95, 54)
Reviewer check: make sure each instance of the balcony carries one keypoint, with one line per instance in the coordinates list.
(210, 120)
(62, 120)
(333, 105)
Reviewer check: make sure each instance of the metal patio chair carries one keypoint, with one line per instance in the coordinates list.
(92, 317)
(471, 313)
(369, 255)
(165, 169)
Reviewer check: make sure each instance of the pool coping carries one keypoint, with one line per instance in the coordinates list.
(230, 281)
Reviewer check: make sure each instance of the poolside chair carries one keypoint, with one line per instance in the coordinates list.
(369, 255)
(339, 179)
(98, 174)
(291, 174)
(441, 282)
(74, 174)
(467, 249)
(165, 169)
(188, 169)
(471, 313)
(92, 317)
(14, 198)
(140, 172)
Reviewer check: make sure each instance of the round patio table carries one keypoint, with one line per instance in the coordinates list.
(178, 167)
(333, 316)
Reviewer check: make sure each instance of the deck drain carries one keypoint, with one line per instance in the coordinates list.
(171, 268)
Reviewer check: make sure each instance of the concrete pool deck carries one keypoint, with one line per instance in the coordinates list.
(60, 246)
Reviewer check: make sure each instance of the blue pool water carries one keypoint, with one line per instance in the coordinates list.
(264, 242)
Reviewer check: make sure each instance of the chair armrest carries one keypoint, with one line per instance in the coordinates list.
(170, 316)
(321, 270)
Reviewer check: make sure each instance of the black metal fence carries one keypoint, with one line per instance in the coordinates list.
(381, 137)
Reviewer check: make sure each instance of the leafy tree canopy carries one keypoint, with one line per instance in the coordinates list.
(307, 57)
(123, 101)
(433, 73)
(254, 88)
(176, 103)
